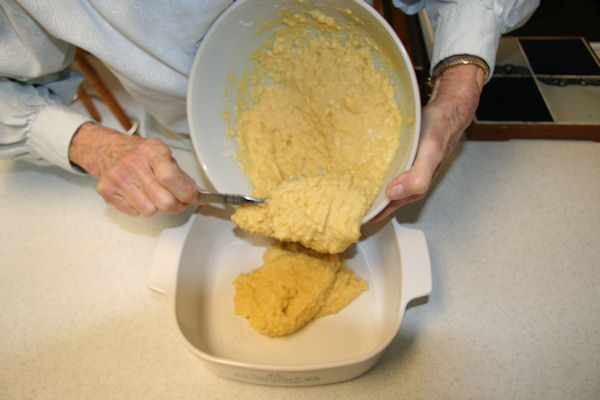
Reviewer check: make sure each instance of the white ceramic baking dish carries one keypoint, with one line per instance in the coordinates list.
(195, 265)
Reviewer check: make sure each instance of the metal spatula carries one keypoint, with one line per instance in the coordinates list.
(226, 198)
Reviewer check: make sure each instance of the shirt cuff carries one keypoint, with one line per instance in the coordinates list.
(470, 29)
(51, 133)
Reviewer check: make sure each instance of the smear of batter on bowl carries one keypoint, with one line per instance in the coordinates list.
(294, 286)
(317, 126)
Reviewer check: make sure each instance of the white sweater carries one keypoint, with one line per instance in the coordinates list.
(150, 46)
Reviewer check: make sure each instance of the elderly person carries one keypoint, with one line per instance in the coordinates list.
(150, 48)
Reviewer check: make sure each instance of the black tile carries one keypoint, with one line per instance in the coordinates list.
(559, 57)
(512, 99)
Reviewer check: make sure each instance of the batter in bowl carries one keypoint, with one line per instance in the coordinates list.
(317, 128)
(294, 286)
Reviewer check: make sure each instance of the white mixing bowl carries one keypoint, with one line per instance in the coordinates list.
(224, 53)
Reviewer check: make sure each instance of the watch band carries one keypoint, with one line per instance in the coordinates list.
(453, 61)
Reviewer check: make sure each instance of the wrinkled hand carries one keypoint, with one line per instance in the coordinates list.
(448, 113)
(136, 175)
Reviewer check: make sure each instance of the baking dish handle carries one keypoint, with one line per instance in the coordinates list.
(165, 262)
(414, 258)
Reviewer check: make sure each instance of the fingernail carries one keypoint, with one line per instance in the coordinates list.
(397, 192)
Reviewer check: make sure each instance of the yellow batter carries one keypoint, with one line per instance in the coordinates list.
(294, 286)
(319, 212)
(317, 128)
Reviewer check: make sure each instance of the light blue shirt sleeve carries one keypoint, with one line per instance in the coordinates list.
(470, 26)
(149, 48)
(35, 123)
(35, 89)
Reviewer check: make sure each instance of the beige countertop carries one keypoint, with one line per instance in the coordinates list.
(513, 231)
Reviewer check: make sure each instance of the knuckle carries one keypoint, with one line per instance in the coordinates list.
(419, 186)
(169, 173)
(147, 209)
(174, 207)
(112, 197)
(126, 209)
(170, 204)
(103, 189)
(435, 142)
(188, 196)
(155, 146)
(153, 141)
(166, 202)
(106, 189)
(187, 192)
